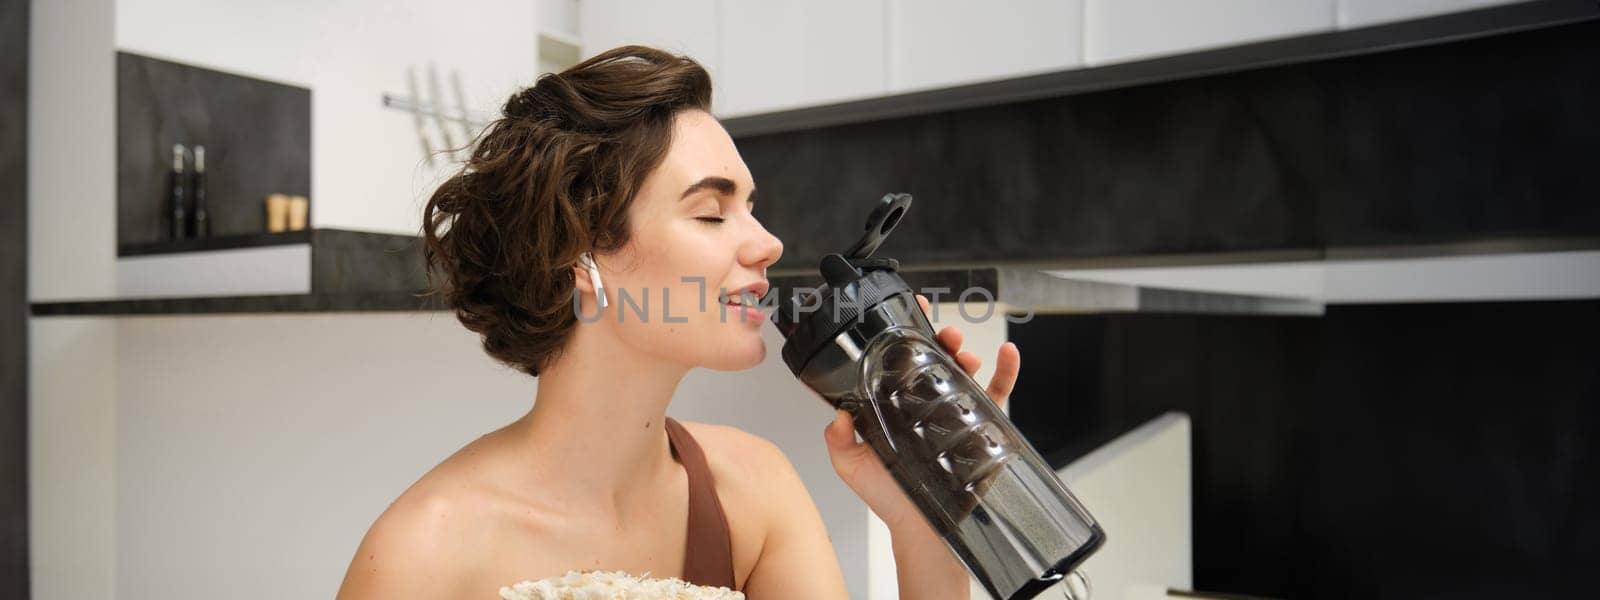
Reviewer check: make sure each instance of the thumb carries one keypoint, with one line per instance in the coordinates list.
(844, 451)
(840, 435)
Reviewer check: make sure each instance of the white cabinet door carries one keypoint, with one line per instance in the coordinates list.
(940, 43)
(791, 53)
(687, 27)
(1124, 30)
(1361, 13)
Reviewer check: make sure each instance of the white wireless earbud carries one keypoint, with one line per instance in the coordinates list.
(594, 278)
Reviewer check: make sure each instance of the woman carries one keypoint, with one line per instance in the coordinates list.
(618, 160)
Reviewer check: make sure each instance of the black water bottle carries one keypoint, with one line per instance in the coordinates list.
(862, 342)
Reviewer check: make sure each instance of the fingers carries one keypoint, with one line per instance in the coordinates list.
(970, 362)
(950, 338)
(1006, 368)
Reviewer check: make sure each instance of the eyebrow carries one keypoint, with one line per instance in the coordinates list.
(722, 185)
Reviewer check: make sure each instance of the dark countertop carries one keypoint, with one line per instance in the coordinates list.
(956, 279)
(227, 242)
(289, 303)
(1019, 289)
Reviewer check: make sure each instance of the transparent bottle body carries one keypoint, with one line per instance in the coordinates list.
(994, 500)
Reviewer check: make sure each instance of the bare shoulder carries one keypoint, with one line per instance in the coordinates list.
(740, 455)
(413, 550)
(754, 477)
(427, 543)
(755, 474)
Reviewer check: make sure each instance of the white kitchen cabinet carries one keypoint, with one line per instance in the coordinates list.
(1361, 13)
(941, 43)
(1123, 30)
(687, 27)
(792, 53)
(774, 55)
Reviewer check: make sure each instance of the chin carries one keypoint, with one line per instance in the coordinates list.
(740, 356)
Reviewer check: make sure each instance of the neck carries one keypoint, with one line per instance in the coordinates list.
(597, 425)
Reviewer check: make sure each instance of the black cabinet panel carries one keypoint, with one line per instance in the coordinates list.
(257, 136)
(14, 299)
(1487, 138)
(1383, 451)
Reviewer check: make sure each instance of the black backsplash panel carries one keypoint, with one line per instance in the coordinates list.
(1486, 138)
(1382, 451)
(257, 136)
(14, 563)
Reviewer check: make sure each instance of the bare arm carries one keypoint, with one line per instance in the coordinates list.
(924, 567)
(798, 560)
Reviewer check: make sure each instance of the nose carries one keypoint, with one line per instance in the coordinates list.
(761, 250)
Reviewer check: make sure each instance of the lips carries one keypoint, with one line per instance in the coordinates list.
(754, 291)
(755, 288)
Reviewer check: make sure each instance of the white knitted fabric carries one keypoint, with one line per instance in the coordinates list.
(613, 585)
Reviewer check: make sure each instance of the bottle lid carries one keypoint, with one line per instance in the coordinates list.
(854, 282)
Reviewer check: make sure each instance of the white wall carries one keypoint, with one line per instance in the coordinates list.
(72, 458)
(367, 171)
(72, 194)
(71, 362)
(252, 452)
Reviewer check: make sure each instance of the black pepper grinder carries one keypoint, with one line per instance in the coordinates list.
(197, 189)
(175, 185)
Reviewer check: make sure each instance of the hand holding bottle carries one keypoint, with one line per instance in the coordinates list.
(862, 470)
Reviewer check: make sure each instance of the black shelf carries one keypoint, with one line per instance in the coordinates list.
(351, 271)
(227, 242)
(415, 299)
(285, 303)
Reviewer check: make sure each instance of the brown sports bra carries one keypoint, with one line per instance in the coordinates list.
(708, 557)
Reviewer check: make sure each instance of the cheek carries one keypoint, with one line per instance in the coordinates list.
(676, 327)
(688, 264)
(682, 273)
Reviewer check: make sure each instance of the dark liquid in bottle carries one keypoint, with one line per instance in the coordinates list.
(942, 439)
(999, 507)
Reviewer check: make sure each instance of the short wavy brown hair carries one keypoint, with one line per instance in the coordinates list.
(549, 180)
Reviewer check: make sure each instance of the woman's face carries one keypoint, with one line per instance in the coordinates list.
(693, 241)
